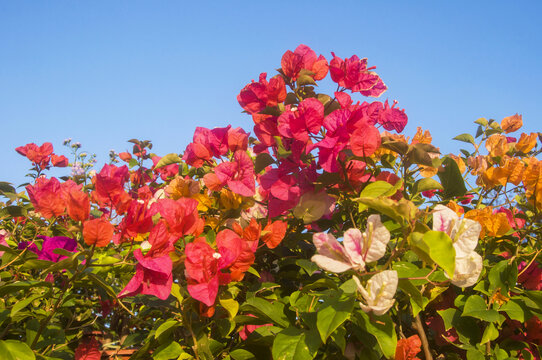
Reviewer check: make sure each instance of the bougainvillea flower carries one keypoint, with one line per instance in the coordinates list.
(88, 350)
(203, 270)
(357, 249)
(236, 253)
(530, 277)
(303, 57)
(256, 96)
(307, 119)
(153, 277)
(353, 74)
(98, 232)
(78, 205)
(237, 139)
(3, 242)
(109, 187)
(161, 240)
(526, 142)
(512, 123)
(167, 171)
(59, 161)
(313, 206)
(379, 292)
(180, 215)
(46, 197)
(238, 174)
(274, 233)
(39, 155)
(365, 140)
(408, 348)
(247, 329)
(52, 243)
(464, 234)
(392, 118)
(138, 220)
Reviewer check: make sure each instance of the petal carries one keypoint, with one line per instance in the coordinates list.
(467, 237)
(353, 242)
(376, 239)
(467, 270)
(443, 217)
(329, 264)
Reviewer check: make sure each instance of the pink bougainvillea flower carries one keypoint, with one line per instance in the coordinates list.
(161, 240)
(353, 74)
(238, 174)
(46, 196)
(379, 292)
(247, 329)
(303, 57)
(307, 119)
(167, 171)
(39, 155)
(3, 242)
(256, 96)
(59, 161)
(530, 277)
(153, 277)
(236, 253)
(52, 243)
(313, 206)
(392, 118)
(197, 154)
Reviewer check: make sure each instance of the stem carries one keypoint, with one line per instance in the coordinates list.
(419, 328)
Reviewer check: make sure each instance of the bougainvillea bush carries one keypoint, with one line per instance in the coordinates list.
(324, 233)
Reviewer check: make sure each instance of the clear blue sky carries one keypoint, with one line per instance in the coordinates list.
(103, 72)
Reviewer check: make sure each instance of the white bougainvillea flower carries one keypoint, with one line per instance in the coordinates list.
(368, 246)
(467, 270)
(359, 248)
(464, 234)
(379, 292)
(331, 254)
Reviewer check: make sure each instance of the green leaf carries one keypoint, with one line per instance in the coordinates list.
(6, 187)
(242, 354)
(481, 121)
(294, 344)
(263, 160)
(307, 265)
(468, 138)
(22, 304)
(415, 296)
(441, 250)
(383, 329)
(168, 351)
(332, 315)
(305, 80)
(399, 147)
(231, 306)
(426, 184)
(376, 189)
(263, 308)
(476, 307)
(402, 211)
(168, 160)
(13, 211)
(98, 281)
(451, 179)
(15, 350)
(165, 327)
(503, 276)
(490, 334)
(22, 285)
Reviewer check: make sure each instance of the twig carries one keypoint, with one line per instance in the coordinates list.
(419, 328)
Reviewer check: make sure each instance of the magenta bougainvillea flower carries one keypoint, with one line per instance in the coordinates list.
(153, 277)
(303, 57)
(238, 174)
(49, 245)
(256, 96)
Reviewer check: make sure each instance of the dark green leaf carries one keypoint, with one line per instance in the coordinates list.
(332, 315)
(451, 179)
(263, 160)
(293, 344)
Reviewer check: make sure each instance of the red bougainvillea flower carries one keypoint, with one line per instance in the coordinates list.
(98, 232)
(138, 220)
(237, 139)
(256, 96)
(365, 140)
(153, 277)
(303, 57)
(46, 197)
(407, 349)
(247, 329)
(238, 174)
(203, 269)
(353, 74)
(88, 350)
(530, 277)
(109, 188)
(39, 155)
(59, 161)
(231, 246)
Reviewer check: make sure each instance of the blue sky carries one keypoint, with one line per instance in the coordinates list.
(103, 72)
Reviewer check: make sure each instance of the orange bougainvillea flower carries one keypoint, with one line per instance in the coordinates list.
(526, 142)
(273, 233)
(532, 179)
(98, 232)
(78, 204)
(407, 349)
(511, 123)
(456, 208)
(493, 224)
(422, 137)
(46, 197)
(497, 145)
